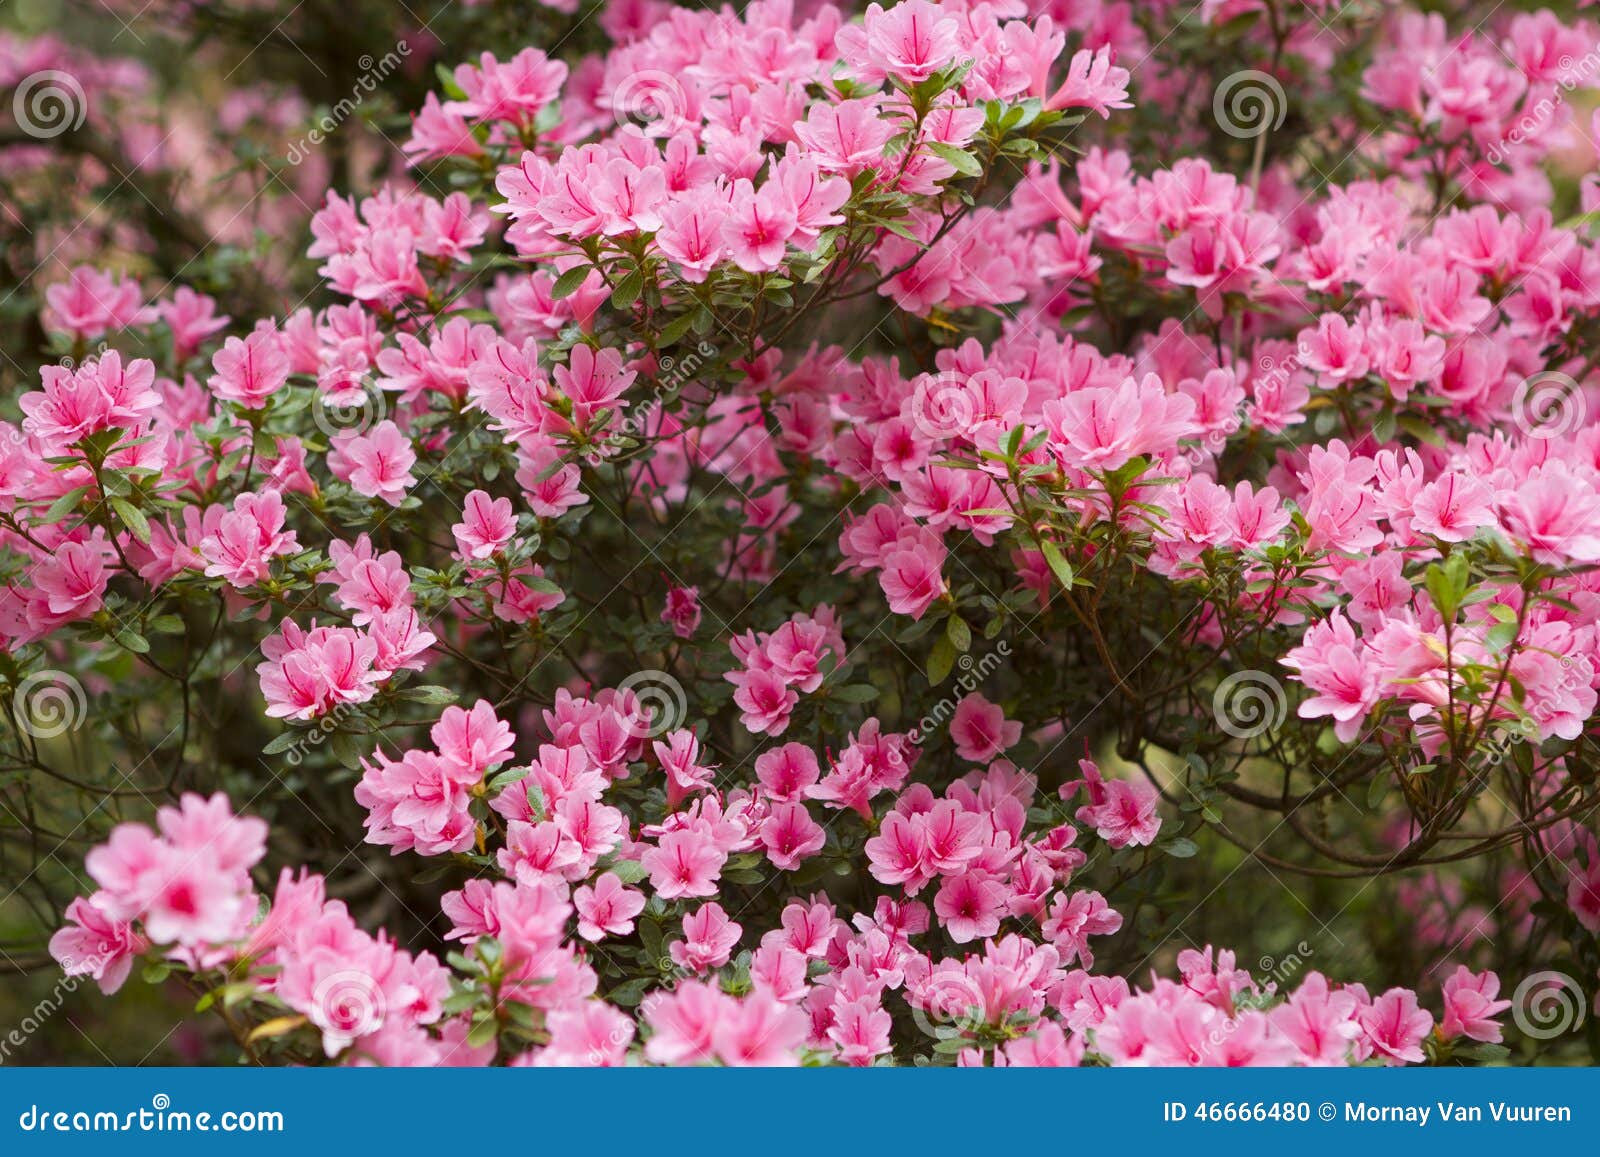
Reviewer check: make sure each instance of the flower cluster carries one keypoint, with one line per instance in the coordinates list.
(732, 466)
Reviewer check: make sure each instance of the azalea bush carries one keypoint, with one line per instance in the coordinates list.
(814, 536)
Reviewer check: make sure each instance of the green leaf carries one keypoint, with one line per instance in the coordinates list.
(1423, 431)
(447, 80)
(959, 159)
(940, 659)
(428, 693)
(627, 291)
(630, 994)
(959, 634)
(1376, 790)
(277, 1026)
(1181, 848)
(281, 743)
(567, 284)
(1058, 565)
(504, 779)
(1500, 636)
(671, 333)
(133, 518)
(483, 1032)
(64, 505)
(628, 871)
(855, 693)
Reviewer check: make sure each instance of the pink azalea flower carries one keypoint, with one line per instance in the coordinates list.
(486, 526)
(1470, 1006)
(376, 464)
(981, 730)
(607, 908)
(1395, 1026)
(708, 939)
